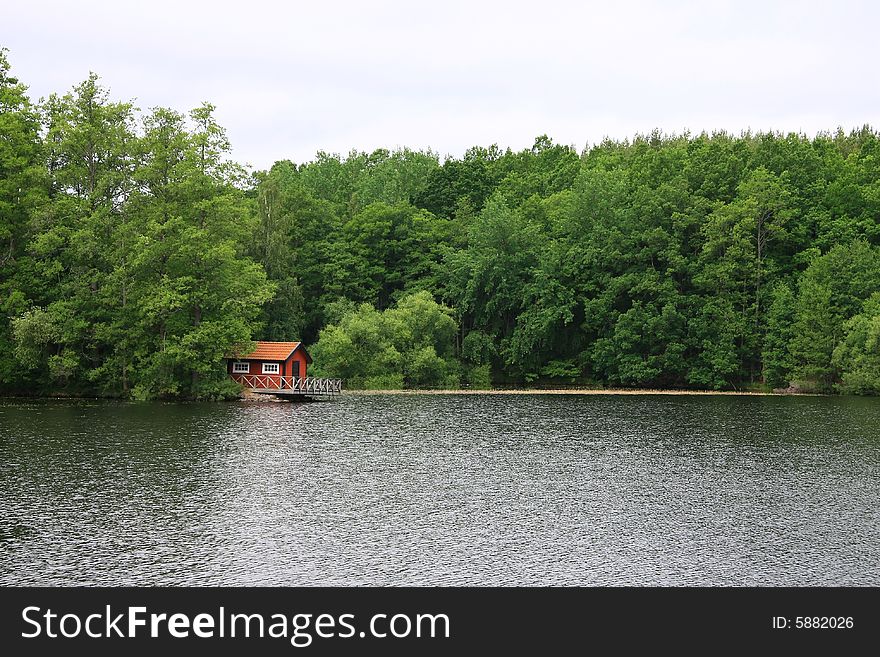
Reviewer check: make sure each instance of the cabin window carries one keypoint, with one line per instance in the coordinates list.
(270, 368)
(241, 368)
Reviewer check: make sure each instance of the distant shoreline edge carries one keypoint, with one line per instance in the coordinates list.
(579, 391)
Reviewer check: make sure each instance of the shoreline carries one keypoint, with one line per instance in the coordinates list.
(579, 391)
(260, 398)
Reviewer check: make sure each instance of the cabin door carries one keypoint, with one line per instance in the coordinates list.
(294, 369)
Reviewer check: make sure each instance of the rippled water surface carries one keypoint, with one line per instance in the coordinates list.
(460, 489)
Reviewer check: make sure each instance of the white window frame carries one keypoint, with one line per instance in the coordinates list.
(237, 365)
(271, 368)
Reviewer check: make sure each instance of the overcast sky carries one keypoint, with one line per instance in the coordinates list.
(292, 78)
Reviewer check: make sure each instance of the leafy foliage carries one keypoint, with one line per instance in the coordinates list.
(410, 344)
(133, 278)
(134, 255)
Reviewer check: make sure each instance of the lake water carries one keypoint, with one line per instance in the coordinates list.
(443, 490)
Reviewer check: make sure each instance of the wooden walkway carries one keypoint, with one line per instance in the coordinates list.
(289, 385)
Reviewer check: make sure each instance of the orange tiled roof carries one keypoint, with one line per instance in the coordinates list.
(271, 351)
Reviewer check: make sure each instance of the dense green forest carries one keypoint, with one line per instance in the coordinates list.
(134, 255)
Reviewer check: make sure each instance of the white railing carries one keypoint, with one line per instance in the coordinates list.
(290, 384)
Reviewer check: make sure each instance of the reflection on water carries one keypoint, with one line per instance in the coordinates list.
(669, 490)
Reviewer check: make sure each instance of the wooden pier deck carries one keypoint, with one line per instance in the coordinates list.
(310, 386)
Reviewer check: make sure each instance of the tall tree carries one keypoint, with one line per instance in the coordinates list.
(23, 188)
(76, 244)
(832, 290)
(198, 296)
(747, 241)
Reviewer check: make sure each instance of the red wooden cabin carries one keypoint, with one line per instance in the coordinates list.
(276, 363)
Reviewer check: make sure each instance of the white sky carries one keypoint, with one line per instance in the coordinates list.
(292, 78)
